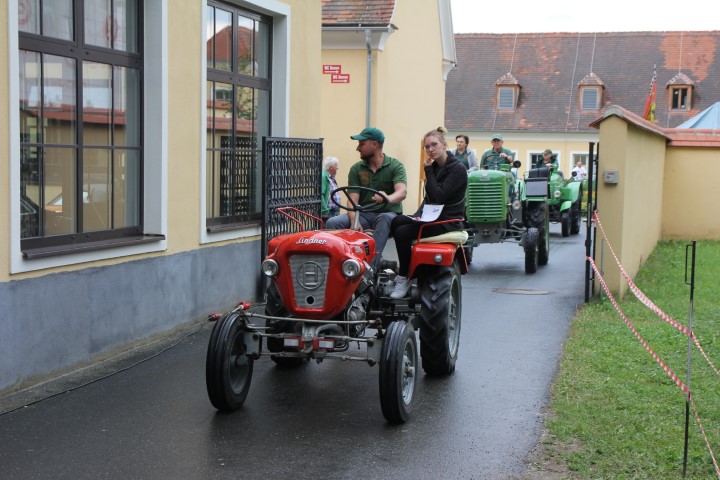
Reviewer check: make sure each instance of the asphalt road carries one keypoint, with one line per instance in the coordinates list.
(152, 418)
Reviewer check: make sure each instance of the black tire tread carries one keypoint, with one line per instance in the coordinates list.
(434, 332)
(392, 404)
(531, 250)
(215, 366)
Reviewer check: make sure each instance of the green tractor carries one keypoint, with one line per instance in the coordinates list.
(499, 207)
(565, 202)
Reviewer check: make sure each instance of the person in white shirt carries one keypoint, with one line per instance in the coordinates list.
(580, 172)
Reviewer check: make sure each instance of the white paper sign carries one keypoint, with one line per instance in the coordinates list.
(430, 213)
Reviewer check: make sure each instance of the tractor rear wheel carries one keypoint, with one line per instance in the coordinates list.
(440, 305)
(398, 372)
(531, 250)
(228, 370)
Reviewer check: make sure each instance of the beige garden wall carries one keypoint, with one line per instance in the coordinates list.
(631, 210)
(691, 188)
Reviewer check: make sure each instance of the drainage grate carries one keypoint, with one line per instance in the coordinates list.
(521, 291)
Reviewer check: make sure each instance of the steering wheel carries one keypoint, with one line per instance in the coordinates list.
(355, 207)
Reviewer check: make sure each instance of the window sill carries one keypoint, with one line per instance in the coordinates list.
(230, 227)
(45, 252)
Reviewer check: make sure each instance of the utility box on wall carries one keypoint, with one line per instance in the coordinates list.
(611, 176)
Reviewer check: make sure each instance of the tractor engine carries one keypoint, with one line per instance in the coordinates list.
(319, 274)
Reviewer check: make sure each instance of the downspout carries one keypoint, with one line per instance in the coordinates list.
(368, 88)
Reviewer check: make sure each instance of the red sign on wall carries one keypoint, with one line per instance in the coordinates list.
(340, 78)
(328, 69)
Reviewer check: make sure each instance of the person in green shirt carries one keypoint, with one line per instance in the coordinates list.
(380, 172)
(497, 155)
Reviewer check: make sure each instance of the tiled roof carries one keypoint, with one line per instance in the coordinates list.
(356, 12)
(549, 68)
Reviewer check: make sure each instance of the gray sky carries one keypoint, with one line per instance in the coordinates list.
(525, 16)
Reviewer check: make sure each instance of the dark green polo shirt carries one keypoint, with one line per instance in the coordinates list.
(384, 179)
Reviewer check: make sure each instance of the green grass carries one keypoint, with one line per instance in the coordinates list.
(614, 413)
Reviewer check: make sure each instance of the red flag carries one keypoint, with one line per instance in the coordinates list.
(649, 112)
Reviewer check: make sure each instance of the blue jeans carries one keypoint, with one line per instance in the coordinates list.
(379, 222)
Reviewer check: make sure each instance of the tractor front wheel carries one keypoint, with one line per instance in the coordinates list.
(565, 223)
(228, 370)
(398, 372)
(531, 250)
(576, 214)
(538, 219)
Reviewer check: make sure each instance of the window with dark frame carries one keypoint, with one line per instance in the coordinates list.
(680, 98)
(536, 160)
(80, 91)
(238, 113)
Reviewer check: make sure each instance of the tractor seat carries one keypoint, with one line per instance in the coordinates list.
(458, 237)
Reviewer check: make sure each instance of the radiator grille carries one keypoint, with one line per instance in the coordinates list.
(309, 274)
(485, 202)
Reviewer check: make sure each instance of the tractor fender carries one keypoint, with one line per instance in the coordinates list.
(430, 253)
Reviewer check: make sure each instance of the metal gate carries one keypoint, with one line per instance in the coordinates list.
(292, 177)
(591, 234)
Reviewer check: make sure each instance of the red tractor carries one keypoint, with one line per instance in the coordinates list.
(324, 296)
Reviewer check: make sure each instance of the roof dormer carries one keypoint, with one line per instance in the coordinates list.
(507, 92)
(680, 89)
(590, 91)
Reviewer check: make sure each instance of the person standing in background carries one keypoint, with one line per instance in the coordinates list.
(465, 155)
(581, 173)
(328, 208)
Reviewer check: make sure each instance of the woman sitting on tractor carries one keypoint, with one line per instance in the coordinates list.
(445, 185)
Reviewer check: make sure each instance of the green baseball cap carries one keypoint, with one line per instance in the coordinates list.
(547, 152)
(370, 133)
(497, 136)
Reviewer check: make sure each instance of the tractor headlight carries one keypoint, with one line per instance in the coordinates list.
(557, 194)
(270, 268)
(351, 268)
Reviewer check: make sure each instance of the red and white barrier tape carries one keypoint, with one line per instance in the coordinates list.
(707, 442)
(648, 303)
(657, 358)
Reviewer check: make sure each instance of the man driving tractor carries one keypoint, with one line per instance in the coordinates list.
(380, 172)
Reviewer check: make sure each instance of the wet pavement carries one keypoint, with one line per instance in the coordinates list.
(150, 418)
